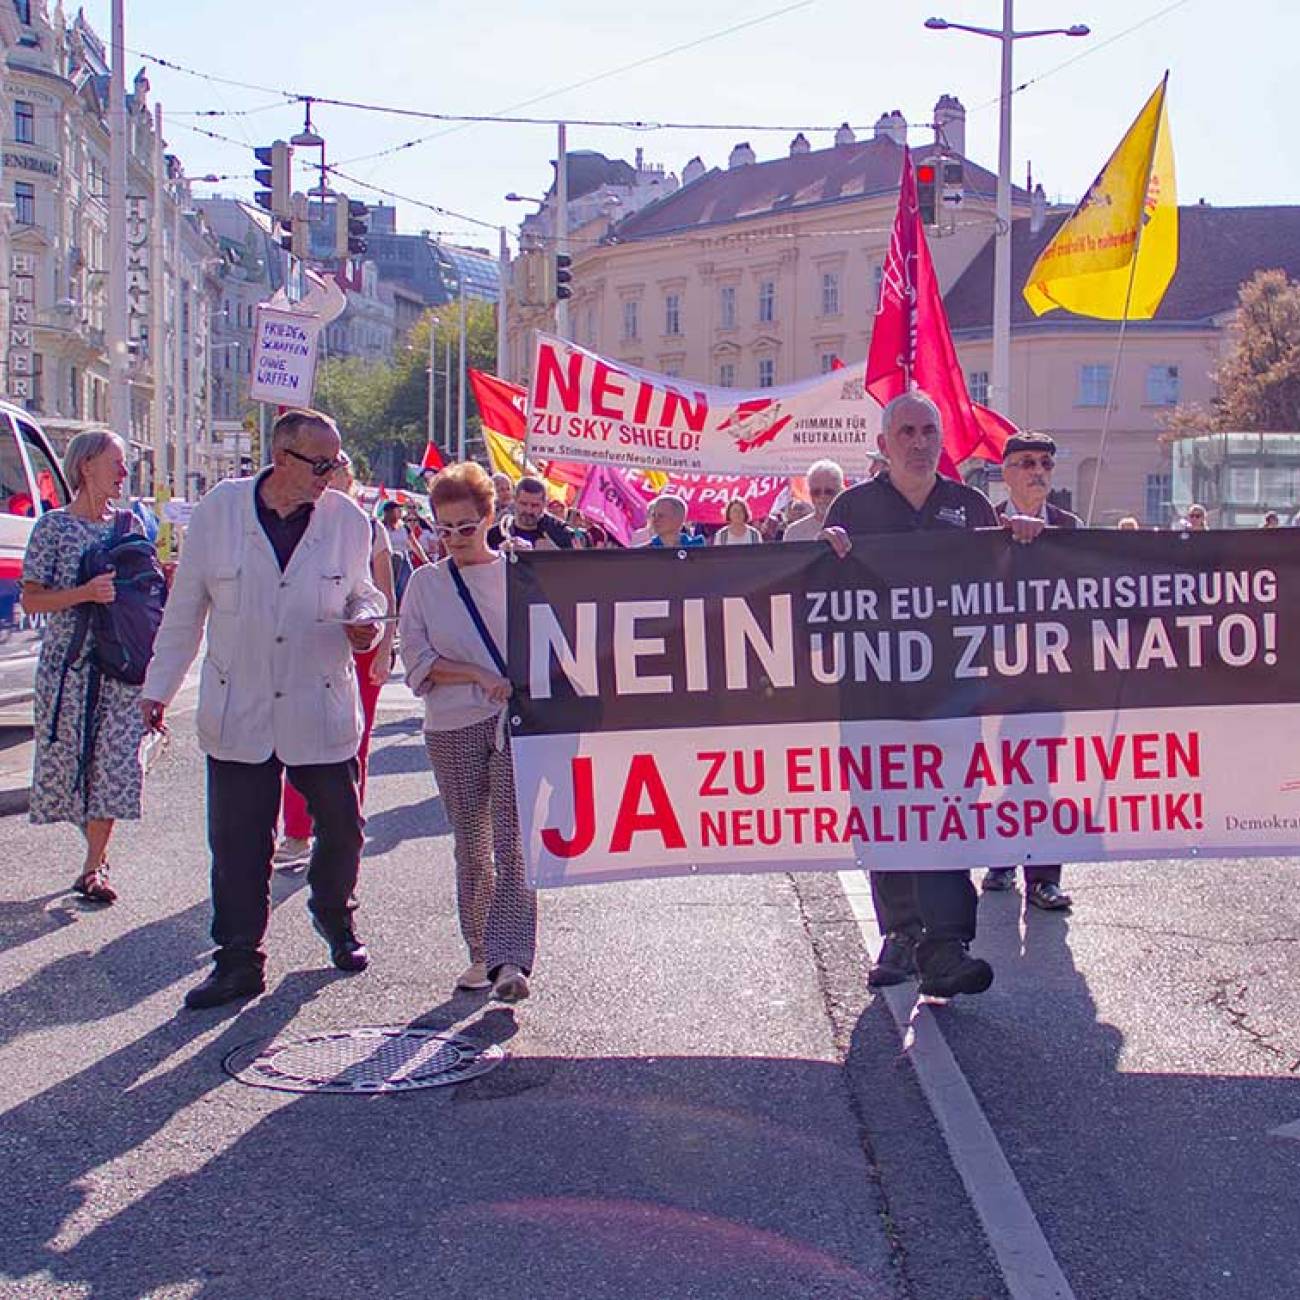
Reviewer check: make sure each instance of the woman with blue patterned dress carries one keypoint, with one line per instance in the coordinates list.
(95, 794)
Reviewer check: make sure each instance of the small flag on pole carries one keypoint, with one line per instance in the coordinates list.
(432, 459)
(1116, 254)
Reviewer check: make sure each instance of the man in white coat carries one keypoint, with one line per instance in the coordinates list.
(278, 569)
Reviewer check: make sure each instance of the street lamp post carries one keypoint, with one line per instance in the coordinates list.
(433, 378)
(1000, 385)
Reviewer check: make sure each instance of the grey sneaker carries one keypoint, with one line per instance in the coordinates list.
(291, 852)
(1048, 895)
(998, 880)
(511, 985)
(896, 963)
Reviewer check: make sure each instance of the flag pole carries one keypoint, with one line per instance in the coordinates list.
(1112, 395)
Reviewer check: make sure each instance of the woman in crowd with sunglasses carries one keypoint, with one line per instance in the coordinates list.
(453, 637)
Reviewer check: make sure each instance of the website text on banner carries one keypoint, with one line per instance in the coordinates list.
(914, 706)
(583, 407)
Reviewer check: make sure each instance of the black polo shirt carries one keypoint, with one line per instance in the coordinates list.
(549, 527)
(284, 532)
(877, 506)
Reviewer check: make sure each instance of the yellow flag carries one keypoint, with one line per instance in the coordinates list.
(1088, 268)
(507, 457)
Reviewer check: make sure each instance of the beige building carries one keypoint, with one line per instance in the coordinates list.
(763, 273)
(55, 272)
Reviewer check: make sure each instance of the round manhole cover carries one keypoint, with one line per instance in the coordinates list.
(367, 1060)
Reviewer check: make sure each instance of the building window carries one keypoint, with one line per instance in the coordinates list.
(828, 360)
(24, 203)
(1094, 385)
(673, 372)
(727, 375)
(24, 11)
(766, 372)
(24, 122)
(1163, 386)
(727, 307)
(877, 278)
(831, 293)
(37, 401)
(673, 314)
(977, 384)
(631, 319)
(767, 301)
(591, 329)
(74, 392)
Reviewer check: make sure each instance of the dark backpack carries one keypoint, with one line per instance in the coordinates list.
(122, 633)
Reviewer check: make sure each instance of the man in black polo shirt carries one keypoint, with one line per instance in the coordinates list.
(927, 917)
(530, 520)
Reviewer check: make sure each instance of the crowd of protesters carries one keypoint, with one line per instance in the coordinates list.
(305, 604)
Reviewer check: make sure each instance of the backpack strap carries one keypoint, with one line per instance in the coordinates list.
(476, 618)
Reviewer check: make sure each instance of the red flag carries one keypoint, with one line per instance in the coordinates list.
(911, 346)
(501, 404)
(432, 458)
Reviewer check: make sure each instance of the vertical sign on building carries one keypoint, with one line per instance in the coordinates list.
(137, 270)
(22, 308)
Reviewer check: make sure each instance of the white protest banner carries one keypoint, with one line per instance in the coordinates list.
(584, 407)
(284, 357)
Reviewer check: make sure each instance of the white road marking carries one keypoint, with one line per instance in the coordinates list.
(1291, 1130)
(1028, 1266)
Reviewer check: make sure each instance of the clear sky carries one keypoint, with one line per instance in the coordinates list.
(1233, 87)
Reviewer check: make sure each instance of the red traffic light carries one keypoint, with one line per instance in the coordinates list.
(925, 174)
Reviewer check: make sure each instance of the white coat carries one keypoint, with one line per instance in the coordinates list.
(278, 677)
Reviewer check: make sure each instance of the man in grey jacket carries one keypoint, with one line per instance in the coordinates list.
(276, 570)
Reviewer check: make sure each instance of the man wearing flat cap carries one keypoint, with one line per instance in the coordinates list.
(1027, 463)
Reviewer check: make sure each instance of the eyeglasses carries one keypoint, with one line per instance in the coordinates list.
(319, 468)
(823, 492)
(1031, 462)
(461, 530)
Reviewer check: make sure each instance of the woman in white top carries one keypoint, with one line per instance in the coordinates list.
(737, 531)
(453, 637)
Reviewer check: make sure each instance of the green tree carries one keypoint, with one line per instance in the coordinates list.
(1259, 379)
(377, 405)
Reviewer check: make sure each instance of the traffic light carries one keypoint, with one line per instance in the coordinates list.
(358, 223)
(563, 276)
(274, 175)
(927, 193)
(295, 233)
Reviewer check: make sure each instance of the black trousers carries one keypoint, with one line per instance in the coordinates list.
(243, 807)
(933, 904)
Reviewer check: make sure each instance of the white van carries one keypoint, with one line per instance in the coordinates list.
(31, 482)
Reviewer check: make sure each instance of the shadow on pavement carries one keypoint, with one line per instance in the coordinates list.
(550, 1177)
(27, 919)
(394, 826)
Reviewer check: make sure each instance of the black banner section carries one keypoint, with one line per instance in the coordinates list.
(935, 625)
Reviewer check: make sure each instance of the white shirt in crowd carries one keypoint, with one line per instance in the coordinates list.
(398, 542)
(803, 530)
(750, 537)
(436, 625)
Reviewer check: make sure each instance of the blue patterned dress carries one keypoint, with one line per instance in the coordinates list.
(111, 788)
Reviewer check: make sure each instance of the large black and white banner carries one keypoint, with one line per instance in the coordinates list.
(931, 701)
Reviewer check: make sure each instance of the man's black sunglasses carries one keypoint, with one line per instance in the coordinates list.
(320, 468)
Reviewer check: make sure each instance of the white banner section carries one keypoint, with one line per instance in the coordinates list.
(583, 407)
(890, 795)
(284, 357)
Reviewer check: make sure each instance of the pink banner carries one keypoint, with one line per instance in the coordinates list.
(608, 499)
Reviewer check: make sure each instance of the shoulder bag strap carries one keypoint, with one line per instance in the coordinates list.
(476, 618)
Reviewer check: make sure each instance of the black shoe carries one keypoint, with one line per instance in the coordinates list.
(1048, 895)
(347, 952)
(222, 986)
(998, 879)
(896, 963)
(948, 969)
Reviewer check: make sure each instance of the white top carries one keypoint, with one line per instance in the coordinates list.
(278, 676)
(723, 537)
(436, 625)
(803, 530)
(379, 542)
(397, 541)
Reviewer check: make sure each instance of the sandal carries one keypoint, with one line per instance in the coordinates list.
(94, 886)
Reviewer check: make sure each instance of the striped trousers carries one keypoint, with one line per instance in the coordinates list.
(498, 909)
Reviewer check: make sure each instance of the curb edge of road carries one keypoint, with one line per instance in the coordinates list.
(15, 800)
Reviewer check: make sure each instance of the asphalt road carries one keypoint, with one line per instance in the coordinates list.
(699, 1100)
